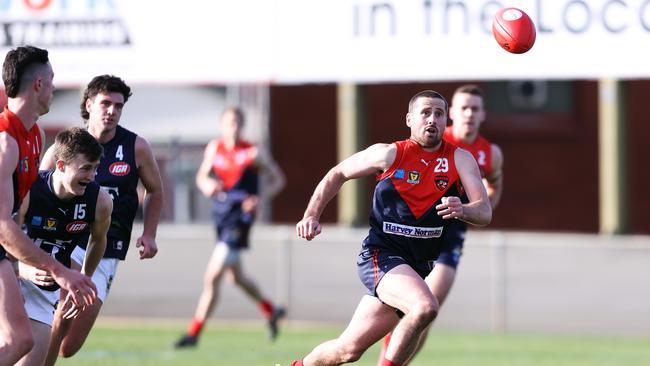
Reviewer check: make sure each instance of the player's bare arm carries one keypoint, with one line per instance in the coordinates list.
(375, 159)
(153, 200)
(268, 166)
(478, 211)
(494, 182)
(48, 162)
(207, 184)
(19, 245)
(98, 231)
(25, 271)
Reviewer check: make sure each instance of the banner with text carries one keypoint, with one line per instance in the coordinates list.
(309, 41)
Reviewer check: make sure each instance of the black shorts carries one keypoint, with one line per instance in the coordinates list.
(3, 253)
(374, 262)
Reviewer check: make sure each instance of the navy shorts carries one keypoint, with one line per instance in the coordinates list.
(453, 245)
(235, 235)
(374, 262)
(3, 253)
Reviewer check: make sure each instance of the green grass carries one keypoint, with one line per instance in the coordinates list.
(230, 345)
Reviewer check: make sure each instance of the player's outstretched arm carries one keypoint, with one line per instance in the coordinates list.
(375, 159)
(149, 174)
(98, 231)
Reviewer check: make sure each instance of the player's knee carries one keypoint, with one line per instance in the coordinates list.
(21, 343)
(350, 353)
(425, 311)
(211, 279)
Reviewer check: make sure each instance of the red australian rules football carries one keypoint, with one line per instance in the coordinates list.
(514, 30)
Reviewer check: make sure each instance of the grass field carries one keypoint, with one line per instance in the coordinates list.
(133, 343)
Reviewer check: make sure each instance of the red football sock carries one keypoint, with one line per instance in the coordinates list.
(267, 308)
(384, 347)
(195, 327)
(386, 362)
(297, 363)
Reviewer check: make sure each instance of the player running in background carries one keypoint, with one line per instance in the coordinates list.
(416, 199)
(63, 207)
(234, 191)
(128, 159)
(27, 76)
(467, 112)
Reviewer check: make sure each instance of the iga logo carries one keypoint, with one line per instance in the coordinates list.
(119, 168)
(76, 226)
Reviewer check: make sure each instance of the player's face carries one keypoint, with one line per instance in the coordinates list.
(77, 174)
(105, 111)
(231, 126)
(46, 91)
(427, 121)
(467, 112)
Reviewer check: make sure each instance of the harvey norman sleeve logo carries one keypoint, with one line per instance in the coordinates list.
(62, 23)
(412, 231)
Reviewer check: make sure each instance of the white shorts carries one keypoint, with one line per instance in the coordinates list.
(104, 274)
(39, 304)
(228, 256)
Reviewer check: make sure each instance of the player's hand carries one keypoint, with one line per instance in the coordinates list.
(69, 309)
(37, 276)
(308, 228)
(450, 208)
(79, 286)
(215, 186)
(147, 245)
(249, 204)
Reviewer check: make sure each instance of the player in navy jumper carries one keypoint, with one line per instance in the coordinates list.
(128, 159)
(62, 208)
(467, 110)
(419, 184)
(229, 175)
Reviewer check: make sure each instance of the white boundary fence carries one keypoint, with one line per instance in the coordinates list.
(507, 281)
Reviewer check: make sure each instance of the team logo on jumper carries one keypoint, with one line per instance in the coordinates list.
(37, 221)
(442, 182)
(50, 224)
(24, 165)
(76, 226)
(119, 168)
(414, 177)
(412, 231)
(399, 174)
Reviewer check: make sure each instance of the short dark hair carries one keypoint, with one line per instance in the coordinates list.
(103, 84)
(20, 63)
(427, 94)
(75, 141)
(470, 89)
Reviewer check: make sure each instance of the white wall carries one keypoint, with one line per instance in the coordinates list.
(507, 281)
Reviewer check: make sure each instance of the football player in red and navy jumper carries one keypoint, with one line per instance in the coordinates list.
(63, 207)
(467, 111)
(27, 76)
(128, 159)
(229, 175)
(417, 196)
